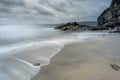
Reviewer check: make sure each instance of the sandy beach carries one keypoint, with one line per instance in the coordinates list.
(90, 60)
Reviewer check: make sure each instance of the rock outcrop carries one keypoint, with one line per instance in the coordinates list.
(68, 26)
(110, 18)
(74, 26)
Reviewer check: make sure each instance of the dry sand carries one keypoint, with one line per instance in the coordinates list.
(84, 61)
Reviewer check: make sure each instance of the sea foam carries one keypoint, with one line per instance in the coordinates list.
(23, 61)
(18, 61)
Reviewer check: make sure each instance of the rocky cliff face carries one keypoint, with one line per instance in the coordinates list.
(111, 16)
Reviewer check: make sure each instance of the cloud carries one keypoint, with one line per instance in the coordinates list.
(52, 10)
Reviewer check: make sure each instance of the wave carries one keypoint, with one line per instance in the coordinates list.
(19, 62)
(23, 61)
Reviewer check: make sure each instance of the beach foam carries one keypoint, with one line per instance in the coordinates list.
(18, 61)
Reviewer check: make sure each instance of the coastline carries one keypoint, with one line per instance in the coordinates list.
(84, 61)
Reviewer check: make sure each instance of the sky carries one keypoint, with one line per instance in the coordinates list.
(50, 11)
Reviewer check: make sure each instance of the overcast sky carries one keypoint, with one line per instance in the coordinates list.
(50, 11)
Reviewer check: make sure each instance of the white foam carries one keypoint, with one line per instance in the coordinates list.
(18, 61)
(16, 69)
(78, 37)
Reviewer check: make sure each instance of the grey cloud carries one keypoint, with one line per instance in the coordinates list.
(52, 10)
(11, 2)
(4, 10)
(42, 12)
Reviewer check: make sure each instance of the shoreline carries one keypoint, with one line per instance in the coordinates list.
(84, 61)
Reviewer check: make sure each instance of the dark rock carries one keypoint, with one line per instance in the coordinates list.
(37, 64)
(72, 27)
(115, 67)
(99, 28)
(115, 3)
(111, 16)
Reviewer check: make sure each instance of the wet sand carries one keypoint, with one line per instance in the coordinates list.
(85, 61)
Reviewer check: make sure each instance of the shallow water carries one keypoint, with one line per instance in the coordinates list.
(21, 47)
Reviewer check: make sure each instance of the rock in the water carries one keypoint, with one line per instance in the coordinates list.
(37, 64)
(111, 16)
(72, 26)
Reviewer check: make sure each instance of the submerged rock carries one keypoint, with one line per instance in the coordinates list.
(111, 16)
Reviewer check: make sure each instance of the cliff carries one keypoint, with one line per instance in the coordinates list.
(111, 16)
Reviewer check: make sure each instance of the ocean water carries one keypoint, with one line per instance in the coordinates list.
(24, 49)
